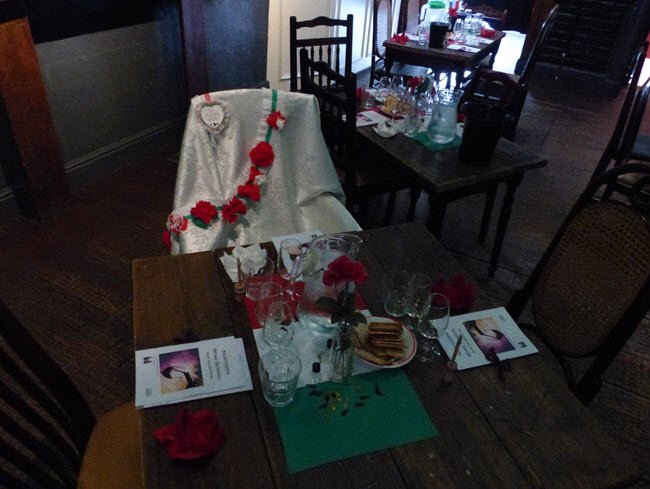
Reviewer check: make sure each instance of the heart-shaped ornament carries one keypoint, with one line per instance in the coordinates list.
(212, 116)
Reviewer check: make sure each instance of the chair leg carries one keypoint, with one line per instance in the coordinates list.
(414, 193)
(389, 208)
(490, 196)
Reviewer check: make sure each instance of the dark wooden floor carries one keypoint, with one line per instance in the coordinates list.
(69, 278)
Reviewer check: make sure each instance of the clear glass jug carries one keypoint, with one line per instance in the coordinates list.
(442, 126)
(321, 252)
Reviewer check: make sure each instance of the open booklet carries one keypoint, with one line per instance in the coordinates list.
(483, 331)
(179, 373)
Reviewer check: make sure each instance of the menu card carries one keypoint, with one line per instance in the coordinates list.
(483, 331)
(179, 373)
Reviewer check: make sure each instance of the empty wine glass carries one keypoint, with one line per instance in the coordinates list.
(433, 325)
(459, 31)
(417, 297)
(397, 85)
(278, 325)
(383, 89)
(289, 253)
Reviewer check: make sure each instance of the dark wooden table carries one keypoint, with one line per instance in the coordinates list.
(527, 431)
(440, 59)
(446, 179)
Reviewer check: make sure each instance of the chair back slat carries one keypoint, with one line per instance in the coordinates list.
(327, 49)
(41, 410)
(549, 21)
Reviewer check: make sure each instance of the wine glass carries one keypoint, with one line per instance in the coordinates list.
(433, 324)
(290, 251)
(383, 89)
(278, 325)
(270, 292)
(459, 31)
(417, 297)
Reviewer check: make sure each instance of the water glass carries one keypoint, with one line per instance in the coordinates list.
(278, 325)
(383, 89)
(459, 31)
(433, 325)
(418, 296)
(279, 371)
(269, 293)
(255, 272)
(395, 286)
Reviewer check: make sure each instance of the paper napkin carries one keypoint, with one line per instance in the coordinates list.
(255, 252)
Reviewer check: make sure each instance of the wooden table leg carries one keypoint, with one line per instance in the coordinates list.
(437, 209)
(487, 213)
(504, 217)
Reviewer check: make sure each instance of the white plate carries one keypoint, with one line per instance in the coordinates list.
(410, 346)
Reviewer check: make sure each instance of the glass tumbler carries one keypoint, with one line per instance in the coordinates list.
(279, 371)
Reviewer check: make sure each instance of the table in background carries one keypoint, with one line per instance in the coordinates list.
(440, 59)
(446, 179)
(527, 431)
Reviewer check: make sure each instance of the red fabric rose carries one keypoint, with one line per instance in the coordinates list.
(276, 120)
(177, 224)
(413, 83)
(249, 191)
(344, 270)
(262, 155)
(204, 211)
(461, 294)
(167, 239)
(232, 208)
(192, 436)
(253, 174)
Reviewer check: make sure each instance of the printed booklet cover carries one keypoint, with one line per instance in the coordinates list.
(484, 332)
(190, 371)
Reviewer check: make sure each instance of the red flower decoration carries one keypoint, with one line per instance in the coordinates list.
(177, 224)
(400, 38)
(276, 120)
(192, 436)
(254, 173)
(461, 294)
(204, 211)
(262, 155)
(167, 239)
(249, 191)
(232, 208)
(344, 270)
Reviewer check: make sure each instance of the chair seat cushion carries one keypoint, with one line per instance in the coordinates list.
(113, 456)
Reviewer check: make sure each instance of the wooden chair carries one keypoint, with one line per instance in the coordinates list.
(592, 286)
(329, 50)
(50, 438)
(361, 178)
(409, 15)
(382, 22)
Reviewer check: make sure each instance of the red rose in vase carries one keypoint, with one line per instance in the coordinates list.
(262, 155)
(345, 270)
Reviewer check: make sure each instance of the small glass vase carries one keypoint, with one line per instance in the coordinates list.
(341, 353)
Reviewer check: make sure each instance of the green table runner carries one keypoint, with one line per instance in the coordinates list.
(423, 139)
(332, 421)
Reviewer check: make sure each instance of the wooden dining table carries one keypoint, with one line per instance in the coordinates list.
(446, 179)
(441, 59)
(527, 431)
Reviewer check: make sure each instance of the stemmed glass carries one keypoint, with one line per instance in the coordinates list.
(383, 89)
(417, 297)
(396, 94)
(433, 325)
(459, 31)
(278, 325)
(289, 253)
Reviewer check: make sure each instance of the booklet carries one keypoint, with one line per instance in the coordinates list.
(179, 373)
(484, 331)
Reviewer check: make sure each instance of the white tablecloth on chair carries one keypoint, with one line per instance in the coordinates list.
(301, 191)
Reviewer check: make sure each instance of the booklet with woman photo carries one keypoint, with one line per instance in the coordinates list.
(485, 333)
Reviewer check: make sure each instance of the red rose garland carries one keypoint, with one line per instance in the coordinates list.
(204, 213)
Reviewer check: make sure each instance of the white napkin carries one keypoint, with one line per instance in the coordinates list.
(462, 47)
(388, 129)
(253, 251)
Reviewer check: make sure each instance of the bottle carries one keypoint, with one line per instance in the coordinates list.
(315, 374)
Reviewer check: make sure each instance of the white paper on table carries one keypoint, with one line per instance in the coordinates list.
(369, 118)
(254, 251)
(311, 348)
(462, 47)
(221, 365)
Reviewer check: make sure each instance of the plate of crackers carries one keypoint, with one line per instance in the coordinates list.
(384, 342)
